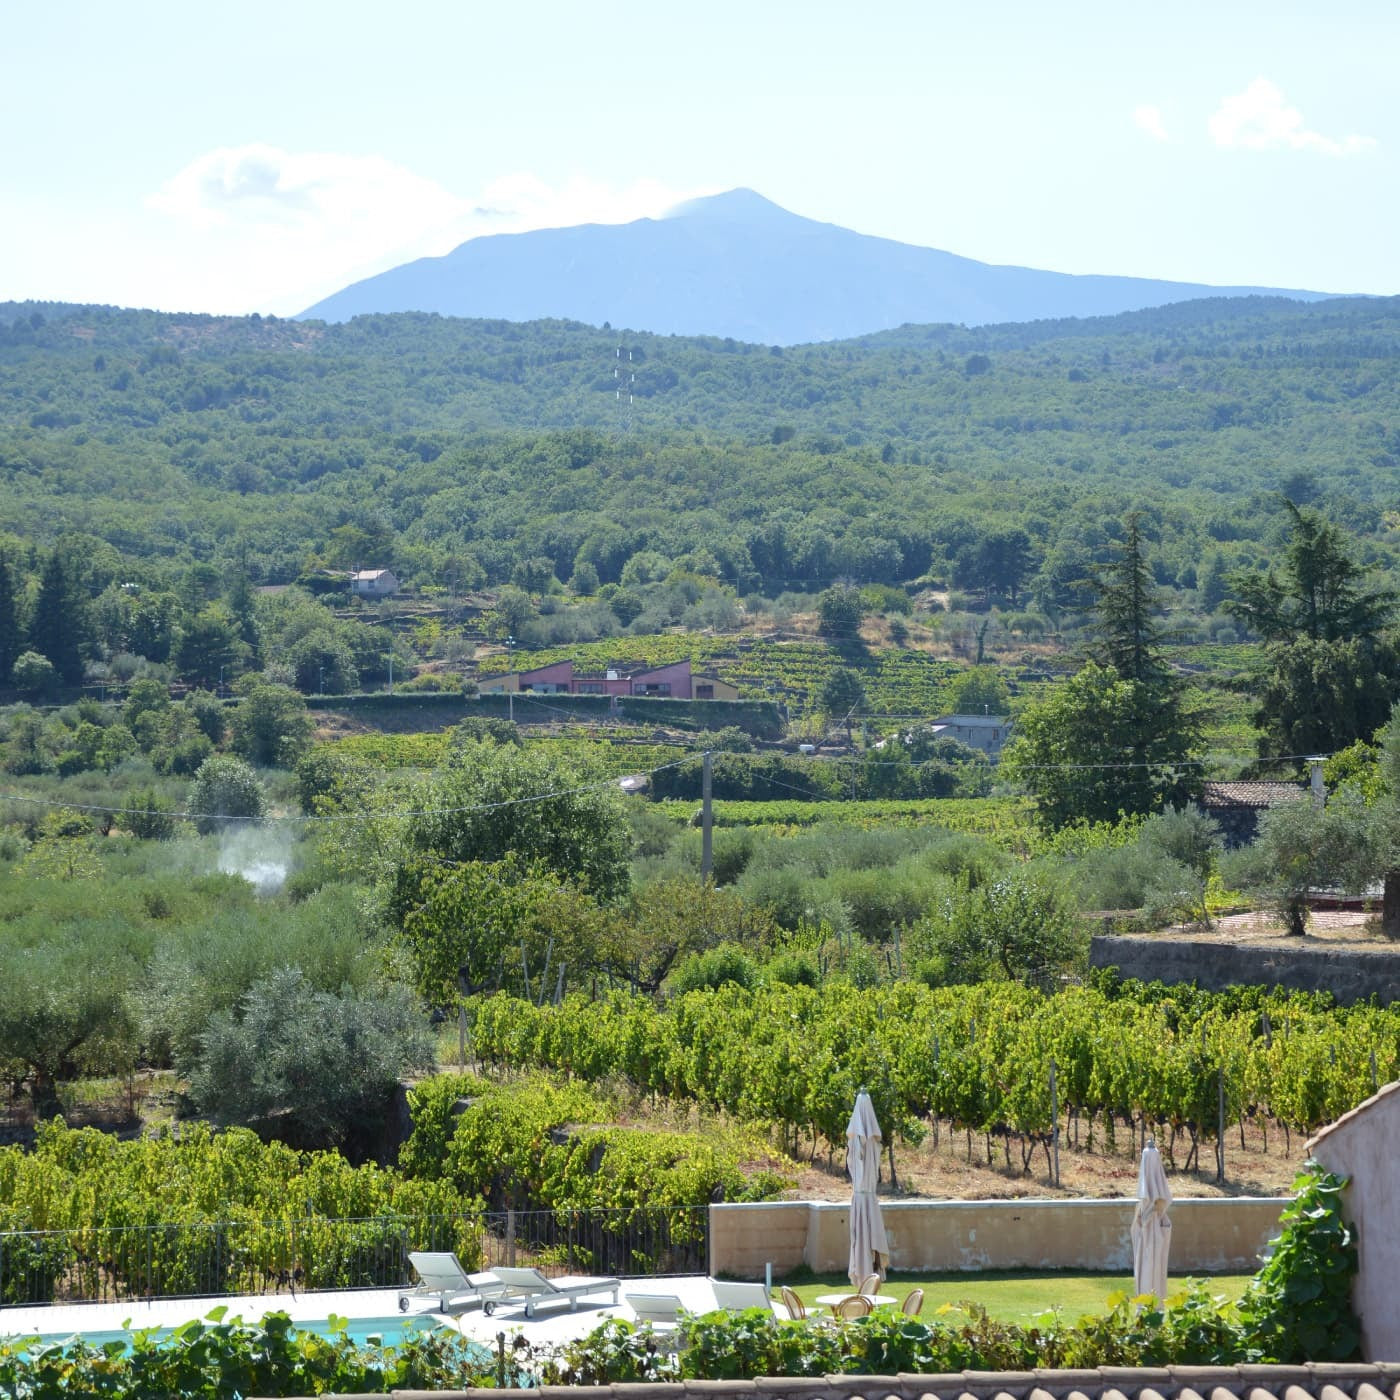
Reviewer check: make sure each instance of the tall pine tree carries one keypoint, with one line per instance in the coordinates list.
(1129, 635)
(11, 639)
(1330, 669)
(1118, 738)
(1162, 735)
(58, 628)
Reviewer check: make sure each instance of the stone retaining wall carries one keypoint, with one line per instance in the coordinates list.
(1350, 973)
(1211, 1235)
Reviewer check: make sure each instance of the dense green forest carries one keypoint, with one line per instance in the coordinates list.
(999, 459)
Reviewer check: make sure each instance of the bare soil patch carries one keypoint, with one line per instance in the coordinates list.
(941, 1168)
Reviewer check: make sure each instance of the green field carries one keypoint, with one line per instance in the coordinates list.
(1011, 1295)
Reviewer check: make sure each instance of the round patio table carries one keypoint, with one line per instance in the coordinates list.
(834, 1300)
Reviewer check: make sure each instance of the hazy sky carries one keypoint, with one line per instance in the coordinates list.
(259, 156)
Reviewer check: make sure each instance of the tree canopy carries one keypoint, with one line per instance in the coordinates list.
(1118, 739)
(492, 801)
(1317, 593)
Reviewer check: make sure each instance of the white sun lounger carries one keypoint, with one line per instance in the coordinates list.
(735, 1297)
(530, 1288)
(661, 1312)
(660, 1309)
(442, 1279)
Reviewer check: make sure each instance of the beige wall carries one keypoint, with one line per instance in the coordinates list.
(1364, 1145)
(1208, 1235)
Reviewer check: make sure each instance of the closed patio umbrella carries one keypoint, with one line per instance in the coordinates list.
(1152, 1230)
(869, 1247)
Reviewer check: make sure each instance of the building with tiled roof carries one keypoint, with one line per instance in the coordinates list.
(1236, 807)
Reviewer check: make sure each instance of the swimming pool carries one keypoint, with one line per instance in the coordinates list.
(389, 1331)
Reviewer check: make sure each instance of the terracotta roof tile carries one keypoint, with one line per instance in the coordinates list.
(1251, 794)
(1316, 1381)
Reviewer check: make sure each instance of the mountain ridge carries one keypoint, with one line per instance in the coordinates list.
(738, 266)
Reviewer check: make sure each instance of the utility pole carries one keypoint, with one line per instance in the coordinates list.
(625, 381)
(706, 818)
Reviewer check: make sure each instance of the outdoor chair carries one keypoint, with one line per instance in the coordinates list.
(857, 1305)
(869, 1285)
(442, 1278)
(913, 1303)
(796, 1308)
(530, 1288)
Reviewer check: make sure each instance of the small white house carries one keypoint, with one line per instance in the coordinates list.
(374, 583)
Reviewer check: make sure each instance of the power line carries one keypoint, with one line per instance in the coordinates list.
(359, 816)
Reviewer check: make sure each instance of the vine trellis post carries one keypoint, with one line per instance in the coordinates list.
(1220, 1126)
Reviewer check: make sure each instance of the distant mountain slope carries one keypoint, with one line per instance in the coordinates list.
(433, 441)
(737, 265)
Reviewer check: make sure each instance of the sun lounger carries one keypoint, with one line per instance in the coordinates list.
(442, 1279)
(735, 1297)
(660, 1309)
(530, 1288)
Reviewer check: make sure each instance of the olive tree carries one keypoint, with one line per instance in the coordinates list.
(226, 792)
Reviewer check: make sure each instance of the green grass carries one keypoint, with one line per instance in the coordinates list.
(1011, 1295)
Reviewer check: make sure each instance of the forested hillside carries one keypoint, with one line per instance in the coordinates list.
(992, 458)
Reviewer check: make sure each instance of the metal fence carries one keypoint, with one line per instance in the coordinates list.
(210, 1258)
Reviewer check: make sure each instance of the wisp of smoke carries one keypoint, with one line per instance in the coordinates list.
(261, 856)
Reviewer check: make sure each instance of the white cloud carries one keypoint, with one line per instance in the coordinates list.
(522, 201)
(278, 229)
(263, 186)
(1149, 119)
(1259, 119)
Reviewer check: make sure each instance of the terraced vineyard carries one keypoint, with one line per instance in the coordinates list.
(898, 680)
(1005, 820)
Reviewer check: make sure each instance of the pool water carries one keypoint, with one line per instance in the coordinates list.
(391, 1331)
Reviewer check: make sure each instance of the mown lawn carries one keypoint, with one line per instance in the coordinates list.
(1012, 1295)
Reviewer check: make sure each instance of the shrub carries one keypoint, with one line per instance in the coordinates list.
(1298, 1306)
(226, 793)
(477, 727)
(327, 1062)
(839, 613)
(713, 968)
(150, 816)
(729, 739)
(208, 713)
(794, 970)
(1017, 928)
(1130, 877)
(270, 726)
(33, 674)
(327, 776)
(226, 1356)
